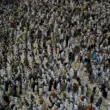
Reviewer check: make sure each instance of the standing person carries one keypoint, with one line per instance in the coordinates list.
(50, 84)
(86, 79)
(70, 55)
(94, 89)
(85, 103)
(55, 84)
(100, 100)
(44, 107)
(58, 87)
(92, 99)
(98, 103)
(73, 56)
(105, 92)
(67, 39)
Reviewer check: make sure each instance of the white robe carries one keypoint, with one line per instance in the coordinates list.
(66, 103)
(61, 107)
(9, 71)
(76, 98)
(58, 87)
(79, 91)
(70, 106)
(71, 95)
(85, 102)
(35, 88)
(71, 72)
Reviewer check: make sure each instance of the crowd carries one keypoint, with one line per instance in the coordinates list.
(51, 52)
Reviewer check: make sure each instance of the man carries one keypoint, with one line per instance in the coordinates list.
(92, 99)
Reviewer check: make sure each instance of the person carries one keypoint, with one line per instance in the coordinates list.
(105, 93)
(86, 80)
(92, 99)
(50, 86)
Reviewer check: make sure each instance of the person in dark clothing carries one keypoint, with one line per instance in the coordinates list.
(6, 98)
(75, 74)
(100, 100)
(98, 103)
(94, 89)
(33, 86)
(14, 90)
(79, 81)
(92, 99)
(81, 58)
(6, 86)
(67, 39)
(55, 85)
(70, 56)
(50, 84)
(73, 56)
(105, 94)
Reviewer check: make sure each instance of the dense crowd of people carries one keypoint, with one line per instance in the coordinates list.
(51, 52)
